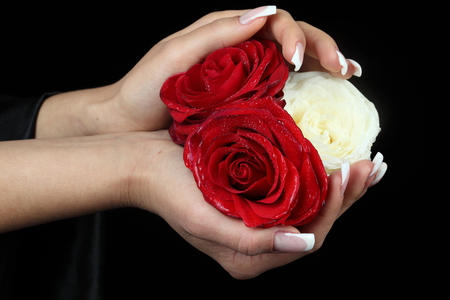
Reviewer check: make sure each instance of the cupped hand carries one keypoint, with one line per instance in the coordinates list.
(136, 104)
(242, 251)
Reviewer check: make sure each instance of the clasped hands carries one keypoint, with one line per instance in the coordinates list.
(118, 133)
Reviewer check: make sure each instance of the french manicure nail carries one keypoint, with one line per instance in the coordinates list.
(342, 62)
(293, 242)
(345, 175)
(377, 161)
(380, 174)
(297, 58)
(358, 68)
(259, 12)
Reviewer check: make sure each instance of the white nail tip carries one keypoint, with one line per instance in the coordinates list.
(309, 238)
(270, 10)
(358, 68)
(297, 57)
(345, 173)
(342, 62)
(380, 174)
(259, 12)
(377, 160)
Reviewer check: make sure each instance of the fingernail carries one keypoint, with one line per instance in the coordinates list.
(259, 12)
(377, 161)
(345, 175)
(293, 242)
(380, 174)
(297, 58)
(358, 68)
(342, 62)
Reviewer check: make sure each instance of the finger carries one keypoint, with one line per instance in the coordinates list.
(239, 265)
(285, 30)
(357, 184)
(246, 252)
(322, 54)
(180, 53)
(196, 44)
(313, 64)
(233, 234)
(321, 47)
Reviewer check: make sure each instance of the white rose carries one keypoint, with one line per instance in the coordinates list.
(333, 114)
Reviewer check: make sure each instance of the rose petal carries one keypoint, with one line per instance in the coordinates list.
(227, 76)
(248, 157)
(285, 202)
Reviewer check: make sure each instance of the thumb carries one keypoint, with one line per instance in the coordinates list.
(187, 49)
(231, 233)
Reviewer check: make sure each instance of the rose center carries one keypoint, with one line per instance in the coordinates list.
(248, 174)
(244, 171)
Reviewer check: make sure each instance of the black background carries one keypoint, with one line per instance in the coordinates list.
(386, 244)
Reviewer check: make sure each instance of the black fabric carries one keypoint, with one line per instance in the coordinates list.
(18, 117)
(59, 260)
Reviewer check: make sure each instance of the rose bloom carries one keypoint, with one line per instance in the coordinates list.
(339, 121)
(252, 162)
(229, 75)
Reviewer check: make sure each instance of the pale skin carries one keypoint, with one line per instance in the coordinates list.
(105, 148)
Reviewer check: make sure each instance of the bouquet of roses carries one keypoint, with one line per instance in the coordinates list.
(248, 156)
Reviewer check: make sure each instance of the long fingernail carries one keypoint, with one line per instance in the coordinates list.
(259, 12)
(297, 58)
(345, 176)
(377, 161)
(293, 242)
(380, 174)
(342, 62)
(358, 68)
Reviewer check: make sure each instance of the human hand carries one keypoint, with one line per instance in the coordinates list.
(139, 90)
(133, 103)
(242, 251)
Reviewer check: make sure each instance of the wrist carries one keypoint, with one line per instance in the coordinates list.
(77, 113)
(154, 172)
(103, 114)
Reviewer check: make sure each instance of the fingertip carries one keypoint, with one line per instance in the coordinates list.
(348, 67)
(297, 57)
(357, 68)
(342, 62)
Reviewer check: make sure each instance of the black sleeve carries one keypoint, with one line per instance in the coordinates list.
(18, 116)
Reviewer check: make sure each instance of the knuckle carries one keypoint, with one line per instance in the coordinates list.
(166, 50)
(217, 25)
(221, 14)
(249, 245)
(194, 223)
(213, 16)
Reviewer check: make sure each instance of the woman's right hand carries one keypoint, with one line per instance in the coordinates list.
(167, 188)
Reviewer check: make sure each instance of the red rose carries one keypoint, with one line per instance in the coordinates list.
(251, 161)
(227, 76)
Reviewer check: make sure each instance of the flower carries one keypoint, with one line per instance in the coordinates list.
(252, 69)
(339, 121)
(251, 161)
